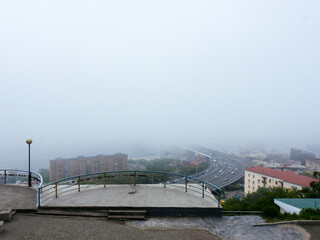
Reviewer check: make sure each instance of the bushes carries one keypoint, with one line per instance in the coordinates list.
(310, 213)
(270, 211)
(256, 201)
(262, 200)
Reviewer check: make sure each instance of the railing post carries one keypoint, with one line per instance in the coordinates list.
(218, 198)
(105, 179)
(78, 184)
(56, 190)
(5, 176)
(39, 191)
(202, 190)
(164, 180)
(186, 185)
(134, 178)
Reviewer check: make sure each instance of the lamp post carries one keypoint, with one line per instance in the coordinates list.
(29, 141)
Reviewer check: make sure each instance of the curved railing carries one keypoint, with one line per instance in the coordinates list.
(18, 176)
(170, 180)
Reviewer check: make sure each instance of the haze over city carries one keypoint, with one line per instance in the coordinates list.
(87, 78)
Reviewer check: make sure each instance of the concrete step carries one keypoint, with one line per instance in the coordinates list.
(73, 213)
(127, 217)
(125, 212)
(1, 226)
(6, 214)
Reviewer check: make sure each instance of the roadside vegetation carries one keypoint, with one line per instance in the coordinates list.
(170, 165)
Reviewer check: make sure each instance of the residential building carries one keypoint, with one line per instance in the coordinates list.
(256, 177)
(313, 164)
(63, 168)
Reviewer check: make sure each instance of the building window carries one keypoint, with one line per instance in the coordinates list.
(253, 176)
(253, 182)
(66, 170)
(116, 165)
(276, 182)
(248, 186)
(249, 174)
(253, 188)
(88, 170)
(97, 166)
(258, 180)
(269, 180)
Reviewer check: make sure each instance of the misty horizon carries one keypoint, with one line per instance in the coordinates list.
(84, 78)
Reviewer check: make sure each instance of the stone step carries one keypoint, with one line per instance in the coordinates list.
(6, 214)
(127, 217)
(72, 213)
(127, 212)
(1, 226)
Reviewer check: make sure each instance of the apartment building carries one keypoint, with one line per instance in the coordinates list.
(256, 177)
(63, 168)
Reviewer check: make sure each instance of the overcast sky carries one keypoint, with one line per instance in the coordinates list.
(90, 77)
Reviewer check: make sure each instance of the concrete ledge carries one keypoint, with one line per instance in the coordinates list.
(6, 214)
(298, 222)
(151, 211)
(183, 212)
(1, 226)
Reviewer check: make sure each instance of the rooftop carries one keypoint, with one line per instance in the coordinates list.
(301, 202)
(287, 176)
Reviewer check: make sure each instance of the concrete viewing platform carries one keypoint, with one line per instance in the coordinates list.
(17, 197)
(146, 195)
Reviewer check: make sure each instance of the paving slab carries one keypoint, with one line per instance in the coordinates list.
(35, 227)
(149, 195)
(17, 197)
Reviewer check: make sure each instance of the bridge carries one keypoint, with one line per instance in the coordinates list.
(156, 193)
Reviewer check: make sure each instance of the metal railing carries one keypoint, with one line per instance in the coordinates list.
(15, 176)
(171, 180)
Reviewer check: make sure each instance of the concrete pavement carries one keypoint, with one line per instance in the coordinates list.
(146, 195)
(17, 197)
(36, 227)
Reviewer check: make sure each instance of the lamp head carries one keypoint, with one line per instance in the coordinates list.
(29, 141)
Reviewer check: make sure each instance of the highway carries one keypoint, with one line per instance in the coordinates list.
(224, 169)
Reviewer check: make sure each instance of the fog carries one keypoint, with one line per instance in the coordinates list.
(99, 77)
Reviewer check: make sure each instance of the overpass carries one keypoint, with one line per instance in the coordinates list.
(224, 169)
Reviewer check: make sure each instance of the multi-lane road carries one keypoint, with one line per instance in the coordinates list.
(224, 169)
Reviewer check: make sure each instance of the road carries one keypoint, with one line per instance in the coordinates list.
(224, 169)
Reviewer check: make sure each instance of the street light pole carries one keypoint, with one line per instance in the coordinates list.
(29, 141)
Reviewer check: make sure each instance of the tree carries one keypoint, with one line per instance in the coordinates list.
(314, 190)
(44, 172)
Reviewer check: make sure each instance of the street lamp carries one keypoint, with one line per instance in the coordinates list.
(29, 141)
